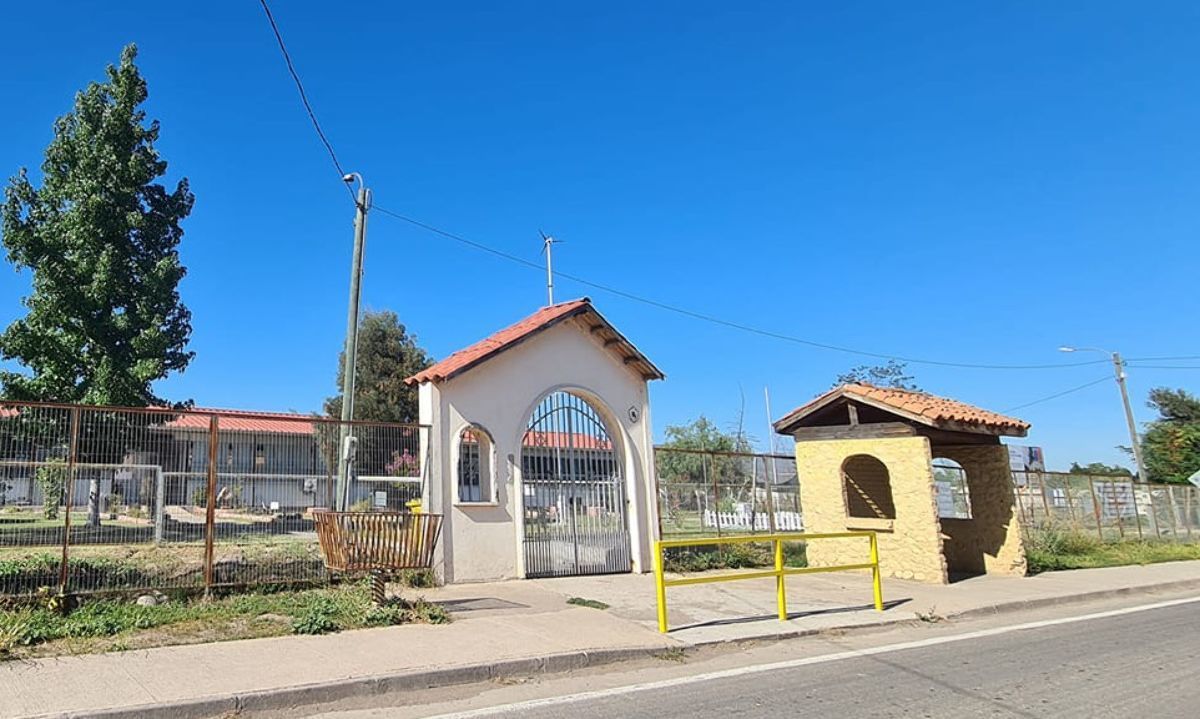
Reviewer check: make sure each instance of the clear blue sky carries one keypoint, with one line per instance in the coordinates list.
(949, 181)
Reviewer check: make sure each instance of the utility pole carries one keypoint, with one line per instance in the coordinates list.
(547, 245)
(346, 438)
(1119, 371)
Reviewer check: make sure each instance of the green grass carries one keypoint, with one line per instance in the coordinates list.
(731, 556)
(112, 624)
(1051, 549)
(589, 603)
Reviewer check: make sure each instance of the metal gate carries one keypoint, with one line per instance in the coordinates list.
(576, 518)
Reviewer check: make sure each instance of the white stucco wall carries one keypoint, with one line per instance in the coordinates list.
(483, 541)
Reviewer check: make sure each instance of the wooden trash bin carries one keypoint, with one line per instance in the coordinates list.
(377, 543)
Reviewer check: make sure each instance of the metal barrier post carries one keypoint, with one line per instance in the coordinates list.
(780, 585)
(72, 452)
(875, 578)
(210, 509)
(659, 587)
(779, 572)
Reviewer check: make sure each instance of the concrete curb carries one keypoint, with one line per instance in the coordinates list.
(1067, 599)
(341, 689)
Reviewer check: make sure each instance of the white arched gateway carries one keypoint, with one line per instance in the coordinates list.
(540, 451)
(575, 509)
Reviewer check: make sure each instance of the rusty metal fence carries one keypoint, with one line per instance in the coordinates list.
(99, 499)
(705, 493)
(1111, 507)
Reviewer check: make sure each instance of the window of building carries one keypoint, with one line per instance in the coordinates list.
(474, 466)
(953, 497)
(868, 488)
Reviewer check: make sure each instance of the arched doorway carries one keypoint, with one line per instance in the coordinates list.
(575, 511)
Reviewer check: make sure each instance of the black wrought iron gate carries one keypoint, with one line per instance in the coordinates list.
(576, 513)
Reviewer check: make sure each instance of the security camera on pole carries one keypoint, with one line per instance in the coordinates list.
(346, 438)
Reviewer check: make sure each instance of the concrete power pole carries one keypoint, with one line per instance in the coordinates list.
(346, 438)
(1119, 369)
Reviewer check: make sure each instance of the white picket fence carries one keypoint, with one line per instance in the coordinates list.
(784, 521)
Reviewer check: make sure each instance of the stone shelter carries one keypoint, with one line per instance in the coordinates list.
(927, 473)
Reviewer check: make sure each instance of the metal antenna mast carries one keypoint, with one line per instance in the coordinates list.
(547, 247)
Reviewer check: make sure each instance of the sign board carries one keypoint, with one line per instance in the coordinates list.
(1195, 478)
(1023, 458)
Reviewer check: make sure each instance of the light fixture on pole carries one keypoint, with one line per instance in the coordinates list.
(1119, 371)
(346, 439)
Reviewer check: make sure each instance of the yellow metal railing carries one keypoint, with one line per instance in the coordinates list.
(779, 572)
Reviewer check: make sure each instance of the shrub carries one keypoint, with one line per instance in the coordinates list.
(730, 556)
(318, 618)
(51, 478)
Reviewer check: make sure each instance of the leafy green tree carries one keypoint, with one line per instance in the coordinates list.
(100, 238)
(387, 355)
(1099, 468)
(1171, 443)
(893, 374)
(687, 476)
(1174, 405)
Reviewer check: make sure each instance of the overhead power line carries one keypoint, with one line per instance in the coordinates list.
(1056, 395)
(1163, 366)
(312, 115)
(711, 318)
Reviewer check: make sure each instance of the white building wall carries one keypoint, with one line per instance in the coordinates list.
(483, 541)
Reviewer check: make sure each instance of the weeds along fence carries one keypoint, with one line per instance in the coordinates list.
(1111, 507)
(724, 493)
(100, 499)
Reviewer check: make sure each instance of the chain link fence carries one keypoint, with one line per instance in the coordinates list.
(97, 499)
(719, 493)
(1111, 507)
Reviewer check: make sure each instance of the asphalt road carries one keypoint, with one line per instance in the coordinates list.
(1136, 664)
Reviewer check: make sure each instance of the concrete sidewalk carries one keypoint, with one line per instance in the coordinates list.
(512, 628)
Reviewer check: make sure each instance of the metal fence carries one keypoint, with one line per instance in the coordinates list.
(718, 493)
(99, 499)
(1112, 507)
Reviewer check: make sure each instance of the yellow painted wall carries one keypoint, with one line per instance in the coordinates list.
(991, 540)
(910, 546)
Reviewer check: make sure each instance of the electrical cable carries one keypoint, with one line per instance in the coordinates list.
(312, 115)
(713, 319)
(1056, 395)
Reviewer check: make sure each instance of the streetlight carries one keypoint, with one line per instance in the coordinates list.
(1119, 370)
(346, 438)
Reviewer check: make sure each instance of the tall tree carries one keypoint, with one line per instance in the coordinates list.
(100, 238)
(1100, 469)
(1171, 443)
(893, 374)
(387, 355)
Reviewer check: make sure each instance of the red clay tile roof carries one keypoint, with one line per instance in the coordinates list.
(508, 337)
(234, 420)
(923, 407)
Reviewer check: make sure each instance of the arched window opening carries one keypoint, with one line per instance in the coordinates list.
(953, 496)
(868, 488)
(474, 466)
